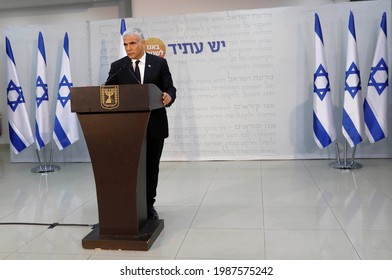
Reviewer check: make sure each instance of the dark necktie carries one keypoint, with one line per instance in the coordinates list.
(137, 71)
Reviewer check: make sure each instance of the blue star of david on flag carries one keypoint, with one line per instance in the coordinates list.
(44, 96)
(64, 83)
(19, 95)
(324, 131)
(20, 133)
(65, 131)
(376, 102)
(352, 117)
(321, 75)
(43, 127)
(375, 71)
(353, 72)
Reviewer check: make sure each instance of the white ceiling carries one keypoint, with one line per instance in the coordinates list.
(17, 4)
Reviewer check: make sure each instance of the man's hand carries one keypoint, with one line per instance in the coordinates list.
(166, 99)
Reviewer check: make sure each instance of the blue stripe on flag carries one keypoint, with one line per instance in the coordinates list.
(60, 133)
(123, 27)
(320, 132)
(351, 25)
(66, 44)
(41, 46)
(350, 128)
(9, 50)
(384, 23)
(372, 123)
(317, 28)
(15, 140)
(40, 141)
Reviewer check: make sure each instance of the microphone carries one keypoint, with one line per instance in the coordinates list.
(133, 74)
(112, 76)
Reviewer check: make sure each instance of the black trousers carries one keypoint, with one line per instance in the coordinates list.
(154, 152)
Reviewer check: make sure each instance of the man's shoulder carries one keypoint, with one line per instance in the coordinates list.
(154, 58)
(120, 61)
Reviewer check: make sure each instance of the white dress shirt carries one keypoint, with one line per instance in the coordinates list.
(142, 66)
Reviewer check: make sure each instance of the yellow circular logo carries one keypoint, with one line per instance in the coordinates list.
(156, 47)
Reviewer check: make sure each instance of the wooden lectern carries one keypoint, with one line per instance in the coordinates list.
(114, 121)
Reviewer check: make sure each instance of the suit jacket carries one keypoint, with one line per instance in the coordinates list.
(156, 72)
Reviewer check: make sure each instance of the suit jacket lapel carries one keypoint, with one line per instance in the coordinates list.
(147, 70)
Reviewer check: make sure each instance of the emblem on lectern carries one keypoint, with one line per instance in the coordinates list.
(110, 97)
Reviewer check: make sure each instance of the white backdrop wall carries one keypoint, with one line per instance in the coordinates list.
(153, 8)
(244, 78)
(57, 11)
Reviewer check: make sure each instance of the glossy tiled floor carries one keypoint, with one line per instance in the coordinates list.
(295, 209)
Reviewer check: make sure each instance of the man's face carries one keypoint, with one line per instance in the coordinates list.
(134, 46)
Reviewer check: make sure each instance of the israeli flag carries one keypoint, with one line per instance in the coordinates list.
(352, 121)
(324, 130)
(65, 130)
(123, 28)
(42, 109)
(376, 100)
(21, 135)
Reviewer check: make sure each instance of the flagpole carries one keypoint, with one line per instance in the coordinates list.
(38, 168)
(353, 155)
(336, 164)
(42, 115)
(51, 165)
(354, 164)
(45, 157)
(337, 153)
(50, 155)
(352, 117)
(47, 166)
(339, 165)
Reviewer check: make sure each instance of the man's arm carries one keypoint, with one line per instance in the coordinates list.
(169, 91)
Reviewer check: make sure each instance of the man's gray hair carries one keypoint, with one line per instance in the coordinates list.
(135, 31)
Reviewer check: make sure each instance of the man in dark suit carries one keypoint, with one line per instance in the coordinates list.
(139, 67)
